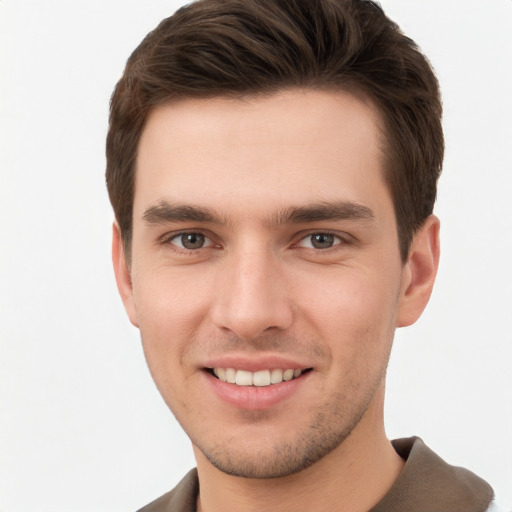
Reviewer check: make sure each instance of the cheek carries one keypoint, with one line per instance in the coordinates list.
(355, 295)
(170, 299)
(170, 310)
(354, 310)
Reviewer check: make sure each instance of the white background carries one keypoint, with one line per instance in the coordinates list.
(82, 428)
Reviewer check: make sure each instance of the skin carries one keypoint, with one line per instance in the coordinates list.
(271, 176)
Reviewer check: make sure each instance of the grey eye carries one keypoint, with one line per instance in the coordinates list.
(322, 240)
(190, 240)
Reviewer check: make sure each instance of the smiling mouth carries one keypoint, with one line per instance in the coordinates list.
(259, 379)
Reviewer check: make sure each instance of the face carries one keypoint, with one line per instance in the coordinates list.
(265, 276)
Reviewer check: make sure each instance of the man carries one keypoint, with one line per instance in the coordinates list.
(272, 166)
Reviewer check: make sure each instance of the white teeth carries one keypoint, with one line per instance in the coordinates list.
(276, 376)
(260, 378)
(230, 375)
(288, 375)
(243, 378)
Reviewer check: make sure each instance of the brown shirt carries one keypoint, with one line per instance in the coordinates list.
(426, 484)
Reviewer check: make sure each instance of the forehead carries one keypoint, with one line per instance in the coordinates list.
(295, 146)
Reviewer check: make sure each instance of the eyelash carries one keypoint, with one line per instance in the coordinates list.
(339, 240)
(168, 241)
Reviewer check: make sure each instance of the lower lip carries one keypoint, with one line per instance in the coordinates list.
(254, 397)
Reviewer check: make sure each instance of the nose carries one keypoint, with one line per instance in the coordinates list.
(252, 298)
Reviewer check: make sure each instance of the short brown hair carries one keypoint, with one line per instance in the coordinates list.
(243, 47)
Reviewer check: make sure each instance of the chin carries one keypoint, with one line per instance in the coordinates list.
(241, 459)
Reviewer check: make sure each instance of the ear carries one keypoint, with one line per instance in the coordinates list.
(419, 272)
(122, 273)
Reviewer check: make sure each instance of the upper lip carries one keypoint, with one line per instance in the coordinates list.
(256, 363)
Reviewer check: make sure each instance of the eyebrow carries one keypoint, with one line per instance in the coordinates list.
(165, 212)
(335, 211)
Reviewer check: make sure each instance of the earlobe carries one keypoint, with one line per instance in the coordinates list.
(419, 272)
(122, 273)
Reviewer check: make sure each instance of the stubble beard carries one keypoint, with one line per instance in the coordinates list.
(329, 426)
(325, 433)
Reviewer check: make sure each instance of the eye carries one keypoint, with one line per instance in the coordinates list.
(320, 241)
(191, 241)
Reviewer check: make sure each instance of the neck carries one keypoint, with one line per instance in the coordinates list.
(355, 476)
